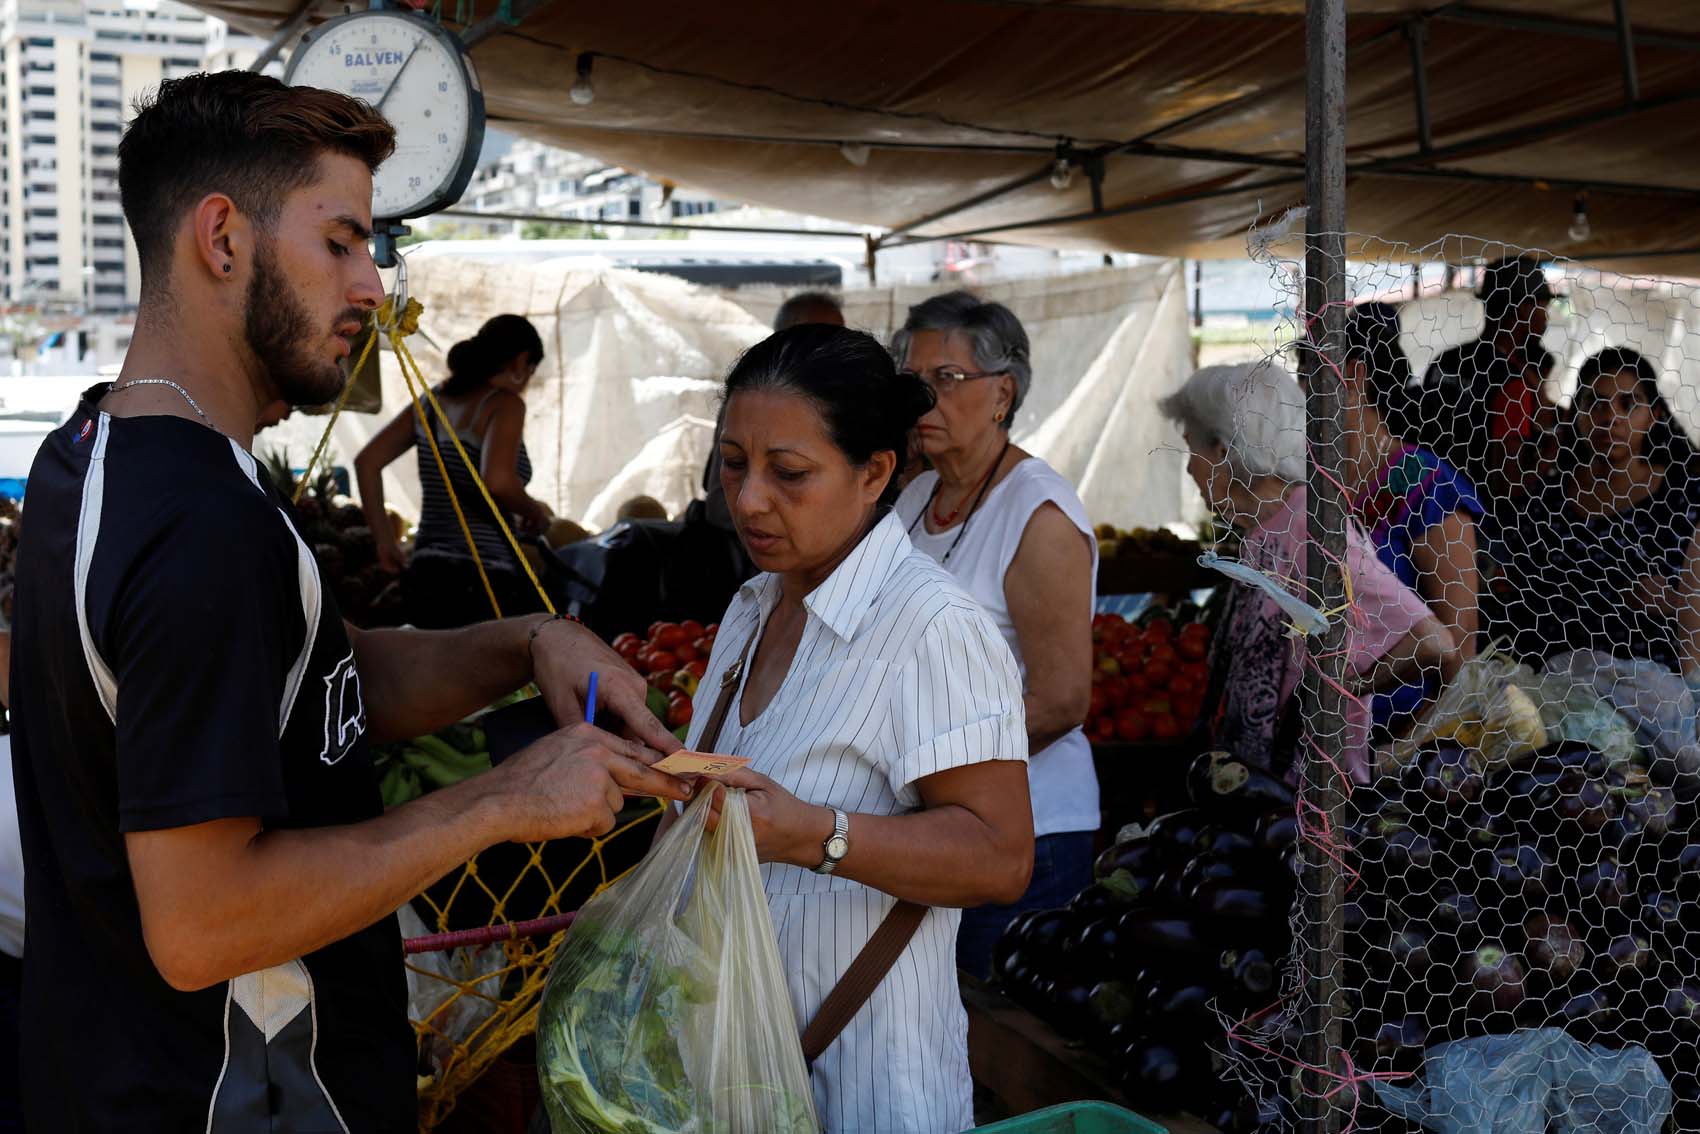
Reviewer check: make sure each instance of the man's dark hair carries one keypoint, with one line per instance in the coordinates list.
(797, 309)
(238, 133)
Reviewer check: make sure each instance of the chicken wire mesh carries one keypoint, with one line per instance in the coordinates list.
(1519, 942)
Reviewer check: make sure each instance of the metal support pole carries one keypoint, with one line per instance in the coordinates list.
(1626, 48)
(1323, 891)
(1417, 33)
(873, 246)
(1198, 293)
(286, 32)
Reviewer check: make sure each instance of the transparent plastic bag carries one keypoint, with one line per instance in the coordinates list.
(666, 1011)
(1539, 1082)
(1492, 705)
(1657, 702)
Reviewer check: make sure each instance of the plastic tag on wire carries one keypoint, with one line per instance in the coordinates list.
(667, 1009)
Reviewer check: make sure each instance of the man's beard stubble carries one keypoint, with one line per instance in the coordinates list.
(281, 335)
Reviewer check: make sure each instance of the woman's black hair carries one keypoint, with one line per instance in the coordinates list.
(1666, 443)
(1372, 338)
(868, 405)
(473, 362)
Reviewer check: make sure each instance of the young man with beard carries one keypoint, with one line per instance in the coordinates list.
(211, 876)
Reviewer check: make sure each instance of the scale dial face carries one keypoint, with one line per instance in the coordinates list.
(417, 76)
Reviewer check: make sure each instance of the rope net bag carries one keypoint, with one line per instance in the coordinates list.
(1510, 711)
(481, 940)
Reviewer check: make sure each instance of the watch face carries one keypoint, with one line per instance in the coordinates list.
(412, 72)
(837, 847)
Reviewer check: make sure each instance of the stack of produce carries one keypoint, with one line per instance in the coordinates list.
(1141, 543)
(672, 658)
(1148, 680)
(1560, 889)
(1182, 935)
(334, 526)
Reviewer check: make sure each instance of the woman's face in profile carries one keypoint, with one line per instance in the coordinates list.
(516, 376)
(796, 500)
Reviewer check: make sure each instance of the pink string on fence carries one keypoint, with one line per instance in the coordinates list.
(1350, 1078)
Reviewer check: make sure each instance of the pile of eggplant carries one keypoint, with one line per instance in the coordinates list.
(1182, 934)
(1563, 891)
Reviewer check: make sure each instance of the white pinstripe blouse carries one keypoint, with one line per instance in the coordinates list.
(899, 674)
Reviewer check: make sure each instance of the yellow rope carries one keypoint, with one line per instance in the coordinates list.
(443, 471)
(501, 521)
(342, 400)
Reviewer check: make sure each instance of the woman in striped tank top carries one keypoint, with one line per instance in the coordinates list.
(483, 406)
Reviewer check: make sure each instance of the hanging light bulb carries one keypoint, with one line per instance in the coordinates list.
(1062, 174)
(581, 91)
(1580, 229)
(856, 153)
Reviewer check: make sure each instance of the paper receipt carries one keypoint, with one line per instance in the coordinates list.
(700, 764)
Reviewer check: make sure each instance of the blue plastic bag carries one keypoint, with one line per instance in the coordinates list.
(1538, 1082)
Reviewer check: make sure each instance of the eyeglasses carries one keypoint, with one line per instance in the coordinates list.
(945, 378)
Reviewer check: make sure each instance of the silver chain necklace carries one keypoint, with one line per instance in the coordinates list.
(194, 405)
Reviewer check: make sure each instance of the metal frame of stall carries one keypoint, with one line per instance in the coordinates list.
(1324, 1107)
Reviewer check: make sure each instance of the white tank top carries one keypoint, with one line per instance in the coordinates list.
(1061, 777)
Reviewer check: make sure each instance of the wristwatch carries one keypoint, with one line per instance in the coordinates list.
(837, 844)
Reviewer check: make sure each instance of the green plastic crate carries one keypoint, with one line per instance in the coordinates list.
(1089, 1117)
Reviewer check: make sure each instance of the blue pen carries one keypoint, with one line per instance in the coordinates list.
(590, 700)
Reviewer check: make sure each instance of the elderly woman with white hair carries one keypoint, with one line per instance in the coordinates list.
(1245, 431)
(1016, 536)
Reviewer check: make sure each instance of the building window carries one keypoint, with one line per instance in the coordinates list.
(104, 81)
(102, 57)
(191, 64)
(39, 41)
(41, 91)
(107, 242)
(105, 104)
(47, 213)
(42, 116)
(106, 127)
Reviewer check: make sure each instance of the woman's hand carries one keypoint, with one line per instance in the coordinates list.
(787, 829)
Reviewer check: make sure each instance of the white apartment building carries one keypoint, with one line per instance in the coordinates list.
(69, 72)
(540, 179)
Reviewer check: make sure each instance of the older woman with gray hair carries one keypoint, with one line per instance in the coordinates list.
(1245, 433)
(1016, 536)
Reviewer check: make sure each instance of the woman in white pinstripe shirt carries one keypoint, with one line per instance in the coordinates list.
(876, 690)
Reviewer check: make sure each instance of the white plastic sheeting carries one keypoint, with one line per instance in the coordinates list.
(624, 404)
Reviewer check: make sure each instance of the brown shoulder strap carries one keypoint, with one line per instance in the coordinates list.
(862, 977)
(723, 702)
(883, 948)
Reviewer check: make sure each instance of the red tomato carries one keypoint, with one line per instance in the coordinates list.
(1165, 727)
(1115, 691)
(686, 652)
(1182, 686)
(704, 646)
(1098, 704)
(1160, 629)
(1131, 661)
(711, 629)
(641, 661)
(670, 637)
(1187, 709)
(1193, 648)
(1155, 706)
(1159, 673)
(663, 660)
(696, 669)
(661, 679)
(679, 712)
(1131, 726)
(1199, 672)
(1196, 630)
(692, 628)
(1162, 651)
(1138, 684)
(629, 649)
(1105, 730)
(622, 639)
(654, 629)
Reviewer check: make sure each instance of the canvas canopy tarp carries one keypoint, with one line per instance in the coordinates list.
(625, 401)
(1194, 108)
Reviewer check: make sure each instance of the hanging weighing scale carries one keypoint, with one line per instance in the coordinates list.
(421, 78)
